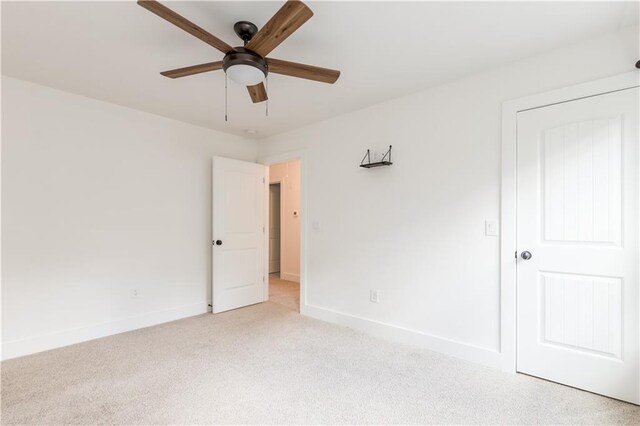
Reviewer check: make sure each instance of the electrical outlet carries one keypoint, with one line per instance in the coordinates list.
(135, 293)
(373, 296)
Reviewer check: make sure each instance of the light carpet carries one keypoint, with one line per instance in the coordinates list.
(268, 364)
(283, 292)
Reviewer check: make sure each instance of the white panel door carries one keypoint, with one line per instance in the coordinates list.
(238, 234)
(577, 296)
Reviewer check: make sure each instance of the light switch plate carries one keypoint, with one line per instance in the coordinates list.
(315, 225)
(491, 228)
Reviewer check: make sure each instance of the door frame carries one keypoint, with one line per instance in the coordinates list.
(268, 222)
(283, 158)
(508, 206)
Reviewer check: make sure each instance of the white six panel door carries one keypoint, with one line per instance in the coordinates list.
(577, 296)
(238, 234)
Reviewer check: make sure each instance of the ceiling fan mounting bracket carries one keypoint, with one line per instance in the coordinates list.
(245, 30)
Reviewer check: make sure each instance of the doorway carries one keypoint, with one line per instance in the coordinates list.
(284, 234)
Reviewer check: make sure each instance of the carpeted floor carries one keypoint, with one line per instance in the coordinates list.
(283, 292)
(268, 364)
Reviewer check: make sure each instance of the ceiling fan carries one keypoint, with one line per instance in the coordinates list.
(248, 65)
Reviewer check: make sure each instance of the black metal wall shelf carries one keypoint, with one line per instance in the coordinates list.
(385, 161)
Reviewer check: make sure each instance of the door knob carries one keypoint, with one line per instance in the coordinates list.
(218, 242)
(526, 255)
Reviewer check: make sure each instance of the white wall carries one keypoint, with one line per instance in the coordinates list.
(98, 199)
(288, 175)
(415, 231)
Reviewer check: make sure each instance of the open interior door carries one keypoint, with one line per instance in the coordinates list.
(238, 234)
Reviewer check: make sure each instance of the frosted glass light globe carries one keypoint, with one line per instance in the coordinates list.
(245, 74)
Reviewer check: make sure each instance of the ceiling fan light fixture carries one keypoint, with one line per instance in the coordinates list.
(245, 67)
(247, 75)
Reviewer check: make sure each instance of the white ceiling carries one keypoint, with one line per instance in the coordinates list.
(114, 51)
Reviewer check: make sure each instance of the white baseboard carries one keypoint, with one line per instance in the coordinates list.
(290, 277)
(484, 356)
(403, 335)
(30, 345)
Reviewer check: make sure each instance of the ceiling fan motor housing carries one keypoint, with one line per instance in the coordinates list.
(240, 58)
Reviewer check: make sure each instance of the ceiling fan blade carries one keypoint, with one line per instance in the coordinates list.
(180, 22)
(258, 93)
(194, 69)
(285, 22)
(309, 72)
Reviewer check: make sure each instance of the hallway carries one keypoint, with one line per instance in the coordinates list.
(285, 293)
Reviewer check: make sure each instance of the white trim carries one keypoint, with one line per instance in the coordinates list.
(30, 345)
(268, 219)
(407, 336)
(283, 158)
(267, 226)
(508, 241)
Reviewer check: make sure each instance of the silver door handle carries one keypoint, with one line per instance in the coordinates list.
(526, 255)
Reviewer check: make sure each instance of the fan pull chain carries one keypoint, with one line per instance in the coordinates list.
(225, 97)
(267, 105)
